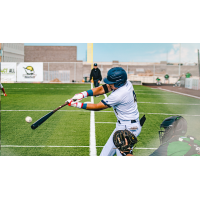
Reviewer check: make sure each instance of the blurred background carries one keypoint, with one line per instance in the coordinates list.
(144, 63)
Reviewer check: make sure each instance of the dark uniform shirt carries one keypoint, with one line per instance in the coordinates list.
(96, 74)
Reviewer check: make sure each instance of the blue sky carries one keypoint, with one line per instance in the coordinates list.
(136, 52)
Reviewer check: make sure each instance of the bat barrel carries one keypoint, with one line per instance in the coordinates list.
(41, 120)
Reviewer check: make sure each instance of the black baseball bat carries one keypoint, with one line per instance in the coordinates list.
(44, 118)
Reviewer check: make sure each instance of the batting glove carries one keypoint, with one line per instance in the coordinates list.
(75, 104)
(68, 101)
(80, 96)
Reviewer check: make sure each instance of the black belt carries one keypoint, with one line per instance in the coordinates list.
(132, 121)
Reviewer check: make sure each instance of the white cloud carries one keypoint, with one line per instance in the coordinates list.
(187, 53)
(176, 46)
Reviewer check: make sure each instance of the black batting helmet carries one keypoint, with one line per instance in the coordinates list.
(175, 125)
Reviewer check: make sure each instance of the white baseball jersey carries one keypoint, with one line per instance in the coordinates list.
(123, 101)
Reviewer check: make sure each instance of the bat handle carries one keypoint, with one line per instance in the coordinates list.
(60, 107)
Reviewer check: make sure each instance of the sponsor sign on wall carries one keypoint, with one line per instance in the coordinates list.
(30, 72)
(8, 72)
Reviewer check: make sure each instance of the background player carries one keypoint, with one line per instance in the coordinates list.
(122, 99)
(158, 81)
(172, 140)
(3, 90)
(96, 75)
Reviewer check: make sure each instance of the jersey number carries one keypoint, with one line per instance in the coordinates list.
(116, 111)
(134, 96)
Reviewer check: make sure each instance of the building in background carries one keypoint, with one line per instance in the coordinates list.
(0, 52)
(60, 63)
(50, 53)
(12, 52)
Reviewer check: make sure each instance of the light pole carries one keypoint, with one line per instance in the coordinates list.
(198, 62)
(180, 60)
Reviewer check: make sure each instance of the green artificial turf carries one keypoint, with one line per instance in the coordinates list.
(67, 132)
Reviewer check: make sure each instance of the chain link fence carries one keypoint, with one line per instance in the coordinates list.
(67, 72)
(79, 72)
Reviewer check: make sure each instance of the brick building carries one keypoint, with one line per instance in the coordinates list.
(0, 52)
(59, 62)
(50, 54)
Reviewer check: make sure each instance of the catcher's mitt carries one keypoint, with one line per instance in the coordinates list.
(124, 140)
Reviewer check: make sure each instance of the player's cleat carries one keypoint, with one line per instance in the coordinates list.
(5, 94)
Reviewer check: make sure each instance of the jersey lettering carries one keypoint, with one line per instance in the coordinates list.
(115, 111)
(134, 96)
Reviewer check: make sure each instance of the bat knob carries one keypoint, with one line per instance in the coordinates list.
(33, 127)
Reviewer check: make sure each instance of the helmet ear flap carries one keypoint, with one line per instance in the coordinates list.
(116, 85)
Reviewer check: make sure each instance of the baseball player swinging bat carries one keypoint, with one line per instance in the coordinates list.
(44, 118)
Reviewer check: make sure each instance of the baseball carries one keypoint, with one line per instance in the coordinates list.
(28, 119)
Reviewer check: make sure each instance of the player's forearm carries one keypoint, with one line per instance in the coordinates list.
(92, 92)
(88, 106)
(98, 91)
(96, 107)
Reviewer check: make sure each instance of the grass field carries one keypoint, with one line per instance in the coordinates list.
(67, 132)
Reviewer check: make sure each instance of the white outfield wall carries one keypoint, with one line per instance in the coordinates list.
(22, 72)
(66, 72)
(8, 72)
(30, 72)
(192, 83)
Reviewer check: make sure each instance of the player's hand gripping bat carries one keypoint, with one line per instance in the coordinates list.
(44, 118)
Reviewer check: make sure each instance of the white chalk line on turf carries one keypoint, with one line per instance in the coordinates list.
(93, 151)
(45, 110)
(42, 88)
(169, 114)
(45, 146)
(57, 88)
(179, 93)
(93, 111)
(147, 93)
(106, 122)
(163, 94)
(161, 114)
(180, 104)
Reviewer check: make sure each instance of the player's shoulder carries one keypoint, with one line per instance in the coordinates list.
(123, 91)
(127, 87)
